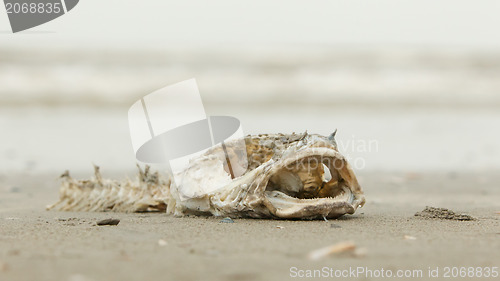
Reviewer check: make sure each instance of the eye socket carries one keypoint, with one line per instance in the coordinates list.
(327, 175)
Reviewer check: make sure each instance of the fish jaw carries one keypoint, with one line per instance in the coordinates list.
(254, 195)
(345, 198)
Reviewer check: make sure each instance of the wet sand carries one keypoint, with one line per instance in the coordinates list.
(46, 245)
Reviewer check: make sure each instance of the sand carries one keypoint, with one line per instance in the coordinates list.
(47, 245)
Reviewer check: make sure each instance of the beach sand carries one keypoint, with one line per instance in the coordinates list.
(47, 245)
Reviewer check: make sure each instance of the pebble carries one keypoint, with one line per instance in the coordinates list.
(109, 222)
(227, 220)
(15, 189)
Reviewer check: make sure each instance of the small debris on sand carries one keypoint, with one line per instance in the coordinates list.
(79, 277)
(227, 220)
(443, 214)
(342, 247)
(108, 222)
(335, 226)
(13, 252)
(15, 189)
(3, 266)
(67, 219)
(408, 237)
(213, 253)
(124, 256)
(279, 227)
(360, 252)
(162, 243)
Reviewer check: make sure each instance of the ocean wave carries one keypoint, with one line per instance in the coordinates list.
(246, 76)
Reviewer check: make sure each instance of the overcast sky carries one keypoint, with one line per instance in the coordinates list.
(162, 23)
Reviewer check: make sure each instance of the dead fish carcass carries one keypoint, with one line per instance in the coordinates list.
(288, 176)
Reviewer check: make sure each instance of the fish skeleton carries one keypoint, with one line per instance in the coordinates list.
(288, 176)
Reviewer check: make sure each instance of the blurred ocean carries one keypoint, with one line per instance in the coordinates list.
(421, 110)
(311, 76)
